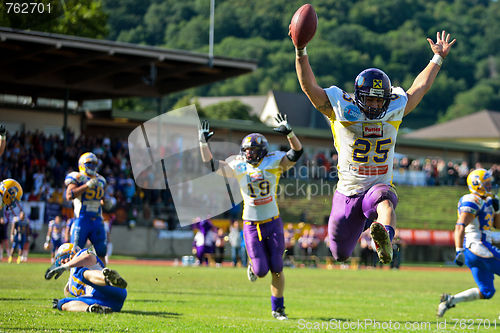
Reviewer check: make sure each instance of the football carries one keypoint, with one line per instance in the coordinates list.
(303, 25)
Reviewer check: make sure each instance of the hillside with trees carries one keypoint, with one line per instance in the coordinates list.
(352, 35)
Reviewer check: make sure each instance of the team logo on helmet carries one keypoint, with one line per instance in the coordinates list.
(372, 82)
(479, 182)
(87, 164)
(377, 84)
(65, 251)
(11, 191)
(259, 148)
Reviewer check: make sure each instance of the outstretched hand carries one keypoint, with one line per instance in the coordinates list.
(442, 45)
(204, 131)
(283, 125)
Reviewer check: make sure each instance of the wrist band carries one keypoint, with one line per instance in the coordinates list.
(203, 144)
(301, 52)
(290, 135)
(460, 224)
(437, 59)
(459, 249)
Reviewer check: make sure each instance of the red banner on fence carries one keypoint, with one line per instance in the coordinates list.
(427, 237)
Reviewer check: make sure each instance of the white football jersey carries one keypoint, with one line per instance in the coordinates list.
(479, 230)
(258, 185)
(365, 147)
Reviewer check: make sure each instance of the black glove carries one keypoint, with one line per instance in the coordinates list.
(204, 131)
(283, 125)
(54, 271)
(3, 130)
(55, 301)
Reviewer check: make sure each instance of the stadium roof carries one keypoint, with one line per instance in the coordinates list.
(47, 65)
(483, 124)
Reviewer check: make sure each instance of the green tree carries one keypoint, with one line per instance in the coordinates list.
(84, 18)
(229, 110)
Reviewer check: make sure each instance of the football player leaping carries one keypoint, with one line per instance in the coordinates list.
(86, 189)
(478, 213)
(365, 129)
(258, 171)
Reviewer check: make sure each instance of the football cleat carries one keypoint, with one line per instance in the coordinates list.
(113, 278)
(446, 303)
(251, 275)
(280, 314)
(97, 308)
(382, 242)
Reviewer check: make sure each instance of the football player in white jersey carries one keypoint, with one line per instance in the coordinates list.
(258, 172)
(364, 130)
(478, 213)
(86, 189)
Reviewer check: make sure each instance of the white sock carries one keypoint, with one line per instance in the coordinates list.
(466, 296)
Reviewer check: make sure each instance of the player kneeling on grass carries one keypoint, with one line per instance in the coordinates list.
(258, 172)
(478, 213)
(91, 287)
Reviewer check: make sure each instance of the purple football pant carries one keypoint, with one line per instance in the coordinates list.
(349, 215)
(265, 254)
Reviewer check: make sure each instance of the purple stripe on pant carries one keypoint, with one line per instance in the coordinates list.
(266, 254)
(349, 214)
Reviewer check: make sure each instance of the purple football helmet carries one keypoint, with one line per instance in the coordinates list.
(254, 147)
(372, 82)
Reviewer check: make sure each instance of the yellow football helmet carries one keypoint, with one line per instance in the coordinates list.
(479, 182)
(65, 251)
(87, 164)
(11, 191)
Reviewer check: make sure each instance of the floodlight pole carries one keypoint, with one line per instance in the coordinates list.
(211, 35)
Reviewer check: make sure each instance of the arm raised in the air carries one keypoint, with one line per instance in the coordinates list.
(425, 79)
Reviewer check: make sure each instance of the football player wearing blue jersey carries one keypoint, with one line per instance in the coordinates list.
(19, 236)
(365, 128)
(478, 213)
(91, 287)
(86, 189)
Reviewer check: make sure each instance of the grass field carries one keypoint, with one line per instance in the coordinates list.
(200, 299)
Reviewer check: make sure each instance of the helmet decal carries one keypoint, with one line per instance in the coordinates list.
(479, 182)
(259, 146)
(11, 191)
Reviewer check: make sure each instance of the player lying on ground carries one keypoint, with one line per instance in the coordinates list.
(90, 287)
(478, 213)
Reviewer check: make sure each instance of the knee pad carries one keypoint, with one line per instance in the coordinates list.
(488, 292)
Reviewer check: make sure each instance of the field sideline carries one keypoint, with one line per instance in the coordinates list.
(201, 299)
